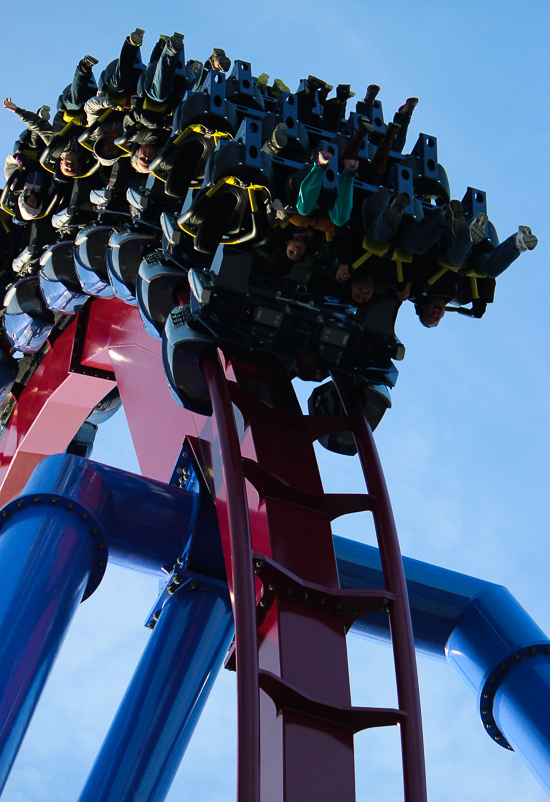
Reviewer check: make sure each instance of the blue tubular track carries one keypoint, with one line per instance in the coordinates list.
(484, 633)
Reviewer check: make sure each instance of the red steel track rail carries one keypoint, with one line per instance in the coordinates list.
(296, 721)
(394, 578)
(243, 593)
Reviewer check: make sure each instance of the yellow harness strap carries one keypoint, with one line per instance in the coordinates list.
(219, 184)
(399, 256)
(184, 227)
(118, 97)
(200, 129)
(251, 189)
(252, 198)
(209, 193)
(154, 105)
(66, 128)
(446, 265)
(472, 273)
(217, 135)
(194, 129)
(104, 116)
(73, 117)
(371, 247)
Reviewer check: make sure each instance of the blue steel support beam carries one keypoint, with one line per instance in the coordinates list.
(165, 698)
(54, 542)
(484, 633)
(148, 523)
(47, 557)
(521, 709)
(80, 506)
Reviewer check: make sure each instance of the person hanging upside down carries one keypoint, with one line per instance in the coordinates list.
(310, 189)
(430, 303)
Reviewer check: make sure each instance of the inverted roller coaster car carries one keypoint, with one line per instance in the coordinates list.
(157, 287)
(282, 317)
(124, 256)
(27, 319)
(324, 400)
(90, 261)
(59, 282)
(182, 349)
(238, 180)
(106, 408)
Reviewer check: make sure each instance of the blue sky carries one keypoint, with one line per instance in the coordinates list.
(465, 448)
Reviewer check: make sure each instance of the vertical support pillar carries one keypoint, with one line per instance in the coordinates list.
(304, 758)
(47, 555)
(164, 701)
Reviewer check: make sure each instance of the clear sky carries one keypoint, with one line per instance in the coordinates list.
(465, 448)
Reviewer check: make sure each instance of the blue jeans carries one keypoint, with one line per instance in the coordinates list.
(79, 91)
(497, 261)
(420, 236)
(492, 263)
(458, 249)
(158, 79)
(417, 238)
(310, 189)
(374, 216)
(118, 74)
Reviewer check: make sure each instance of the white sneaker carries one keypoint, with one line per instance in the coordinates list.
(477, 227)
(525, 239)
